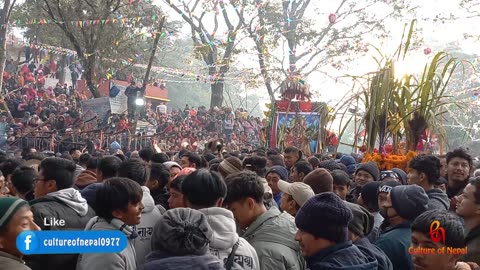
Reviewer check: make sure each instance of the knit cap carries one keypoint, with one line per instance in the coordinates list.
(182, 231)
(370, 167)
(325, 216)
(8, 208)
(409, 201)
(329, 165)
(369, 194)
(281, 171)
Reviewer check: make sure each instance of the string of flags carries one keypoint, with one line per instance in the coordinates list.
(83, 23)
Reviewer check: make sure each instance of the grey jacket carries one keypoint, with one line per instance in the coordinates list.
(150, 216)
(437, 200)
(124, 260)
(10, 262)
(273, 237)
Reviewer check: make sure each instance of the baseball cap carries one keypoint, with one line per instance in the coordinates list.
(300, 191)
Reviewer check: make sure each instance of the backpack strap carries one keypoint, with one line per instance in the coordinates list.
(231, 256)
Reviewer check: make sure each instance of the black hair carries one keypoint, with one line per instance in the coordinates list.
(23, 178)
(71, 151)
(109, 166)
(209, 157)
(292, 149)
(134, 169)
(58, 169)
(460, 153)
(203, 188)
(83, 159)
(428, 164)
(121, 157)
(475, 181)
(92, 163)
(66, 156)
(276, 160)
(273, 152)
(35, 156)
(340, 178)
(177, 183)
(8, 166)
(193, 158)
(160, 173)
(160, 158)
(256, 164)
(454, 233)
(146, 154)
(244, 185)
(314, 161)
(303, 167)
(214, 163)
(115, 194)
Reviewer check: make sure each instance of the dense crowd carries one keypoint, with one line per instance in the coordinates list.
(260, 209)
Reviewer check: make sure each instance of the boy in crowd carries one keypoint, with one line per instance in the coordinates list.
(294, 195)
(268, 231)
(424, 172)
(15, 217)
(299, 171)
(368, 199)
(205, 191)
(22, 180)
(365, 173)
(325, 245)
(157, 183)
(119, 207)
(459, 168)
(341, 184)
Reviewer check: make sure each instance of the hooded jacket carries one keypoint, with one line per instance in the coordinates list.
(150, 216)
(473, 244)
(124, 260)
(369, 249)
(161, 260)
(225, 237)
(273, 237)
(395, 242)
(345, 256)
(11, 262)
(437, 200)
(69, 205)
(85, 178)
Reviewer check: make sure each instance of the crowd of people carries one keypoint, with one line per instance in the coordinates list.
(261, 209)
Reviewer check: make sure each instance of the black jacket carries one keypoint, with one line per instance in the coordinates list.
(370, 249)
(344, 256)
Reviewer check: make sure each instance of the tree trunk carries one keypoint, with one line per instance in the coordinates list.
(216, 99)
(89, 67)
(5, 12)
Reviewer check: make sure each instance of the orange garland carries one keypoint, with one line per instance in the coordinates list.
(390, 161)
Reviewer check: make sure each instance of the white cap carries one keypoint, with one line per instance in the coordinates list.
(300, 191)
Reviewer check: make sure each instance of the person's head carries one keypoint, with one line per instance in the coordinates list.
(441, 184)
(468, 203)
(366, 173)
(204, 189)
(294, 195)
(459, 167)
(7, 167)
(329, 165)
(190, 159)
(92, 164)
(314, 161)
(291, 156)
(108, 167)
(368, 197)
(388, 175)
(229, 166)
(341, 183)
(176, 199)
(146, 154)
(424, 170)
(119, 198)
(15, 217)
(320, 180)
(404, 203)
(257, 164)
(135, 169)
(160, 158)
(83, 159)
(314, 236)
(22, 179)
(182, 232)
(54, 174)
(275, 174)
(275, 160)
(159, 177)
(382, 193)
(361, 224)
(75, 154)
(422, 238)
(299, 170)
(443, 161)
(245, 194)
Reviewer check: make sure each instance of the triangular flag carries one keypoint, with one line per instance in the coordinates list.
(103, 21)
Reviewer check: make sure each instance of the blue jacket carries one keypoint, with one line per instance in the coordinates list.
(162, 260)
(370, 249)
(345, 256)
(395, 242)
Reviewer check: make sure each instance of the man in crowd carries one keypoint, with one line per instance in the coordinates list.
(320, 180)
(365, 173)
(157, 183)
(22, 180)
(15, 217)
(89, 175)
(108, 167)
(205, 191)
(191, 160)
(299, 171)
(56, 198)
(291, 156)
(402, 205)
(268, 231)
(137, 170)
(325, 245)
(468, 207)
(7, 167)
(275, 174)
(368, 199)
(341, 184)
(459, 168)
(424, 172)
(294, 195)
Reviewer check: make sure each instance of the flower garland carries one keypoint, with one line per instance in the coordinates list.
(390, 161)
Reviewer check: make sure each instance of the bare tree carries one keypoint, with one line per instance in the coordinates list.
(5, 15)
